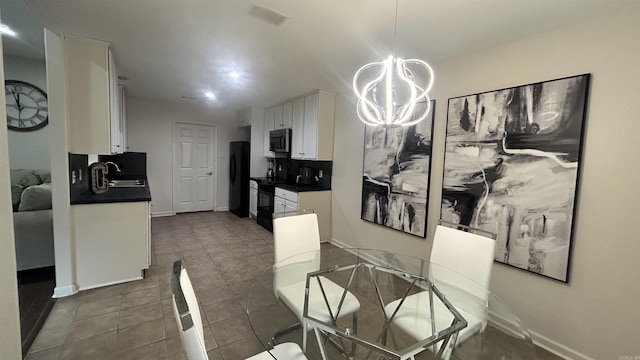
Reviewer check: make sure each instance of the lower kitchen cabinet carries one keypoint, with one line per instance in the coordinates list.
(288, 202)
(253, 198)
(112, 242)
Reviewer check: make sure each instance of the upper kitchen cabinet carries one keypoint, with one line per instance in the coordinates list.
(282, 116)
(119, 124)
(269, 115)
(287, 113)
(312, 126)
(278, 117)
(96, 124)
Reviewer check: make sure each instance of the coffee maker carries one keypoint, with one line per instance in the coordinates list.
(271, 174)
(307, 176)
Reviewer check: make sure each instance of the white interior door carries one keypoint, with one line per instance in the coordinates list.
(193, 170)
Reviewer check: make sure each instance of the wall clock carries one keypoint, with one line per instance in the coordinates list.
(27, 107)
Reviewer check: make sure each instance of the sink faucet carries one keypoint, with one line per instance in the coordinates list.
(118, 171)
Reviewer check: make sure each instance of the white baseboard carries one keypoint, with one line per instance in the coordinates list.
(162, 213)
(95, 286)
(339, 243)
(222, 208)
(556, 348)
(62, 291)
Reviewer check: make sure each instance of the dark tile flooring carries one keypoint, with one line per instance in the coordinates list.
(222, 253)
(35, 288)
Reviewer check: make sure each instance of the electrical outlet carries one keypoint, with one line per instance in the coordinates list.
(79, 174)
(320, 173)
(73, 177)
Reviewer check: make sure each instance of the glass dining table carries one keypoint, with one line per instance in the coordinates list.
(408, 309)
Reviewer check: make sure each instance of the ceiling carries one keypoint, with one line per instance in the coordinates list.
(30, 40)
(174, 48)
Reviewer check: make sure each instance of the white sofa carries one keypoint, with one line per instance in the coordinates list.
(32, 218)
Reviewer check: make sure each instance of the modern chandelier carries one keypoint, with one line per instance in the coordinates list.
(393, 91)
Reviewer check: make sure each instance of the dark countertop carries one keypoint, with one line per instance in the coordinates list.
(290, 186)
(114, 195)
(301, 187)
(264, 180)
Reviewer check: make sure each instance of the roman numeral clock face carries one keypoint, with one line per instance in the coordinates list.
(27, 107)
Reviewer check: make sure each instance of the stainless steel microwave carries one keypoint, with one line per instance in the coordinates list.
(280, 140)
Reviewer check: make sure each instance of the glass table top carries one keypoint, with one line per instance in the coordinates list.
(404, 307)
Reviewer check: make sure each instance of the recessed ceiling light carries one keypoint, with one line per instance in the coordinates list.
(234, 74)
(210, 95)
(4, 29)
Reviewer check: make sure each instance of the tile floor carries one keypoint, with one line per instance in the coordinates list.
(135, 320)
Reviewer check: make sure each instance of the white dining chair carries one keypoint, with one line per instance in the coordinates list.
(299, 235)
(460, 266)
(187, 313)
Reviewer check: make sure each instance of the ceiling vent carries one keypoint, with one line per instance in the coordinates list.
(267, 15)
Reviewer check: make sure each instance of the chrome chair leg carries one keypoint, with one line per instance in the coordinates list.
(272, 343)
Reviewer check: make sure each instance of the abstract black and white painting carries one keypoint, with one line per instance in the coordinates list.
(395, 186)
(512, 160)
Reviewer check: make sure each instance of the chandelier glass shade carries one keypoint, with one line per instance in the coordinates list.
(389, 91)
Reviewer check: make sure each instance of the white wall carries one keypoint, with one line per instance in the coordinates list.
(596, 315)
(9, 315)
(29, 149)
(149, 129)
(259, 164)
(64, 244)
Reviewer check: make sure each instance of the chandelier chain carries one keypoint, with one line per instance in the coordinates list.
(395, 30)
(394, 91)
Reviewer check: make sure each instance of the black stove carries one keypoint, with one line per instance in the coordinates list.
(266, 193)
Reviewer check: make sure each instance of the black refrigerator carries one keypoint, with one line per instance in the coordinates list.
(239, 178)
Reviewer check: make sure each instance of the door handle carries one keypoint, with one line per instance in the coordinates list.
(210, 173)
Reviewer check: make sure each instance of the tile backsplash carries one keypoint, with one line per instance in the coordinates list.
(132, 164)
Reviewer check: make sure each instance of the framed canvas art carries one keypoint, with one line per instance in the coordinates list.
(512, 162)
(396, 169)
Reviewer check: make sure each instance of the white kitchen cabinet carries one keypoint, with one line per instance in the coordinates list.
(278, 116)
(312, 133)
(281, 205)
(286, 194)
(287, 113)
(269, 115)
(112, 242)
(94, 121)
(278, 205)
(282, 115)
(119, 123)
(290, 206)
(285, 200)
(244, 117)
(253, 198)
(297, 125)
(320, 201)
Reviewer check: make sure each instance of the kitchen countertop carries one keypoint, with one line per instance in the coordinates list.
(260, 180)
(301, 187)
(120, 194)
(291, 186)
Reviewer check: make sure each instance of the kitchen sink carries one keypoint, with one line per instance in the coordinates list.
(126, 183)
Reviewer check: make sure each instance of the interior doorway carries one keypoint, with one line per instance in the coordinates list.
(25, 87)
(194, 170)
